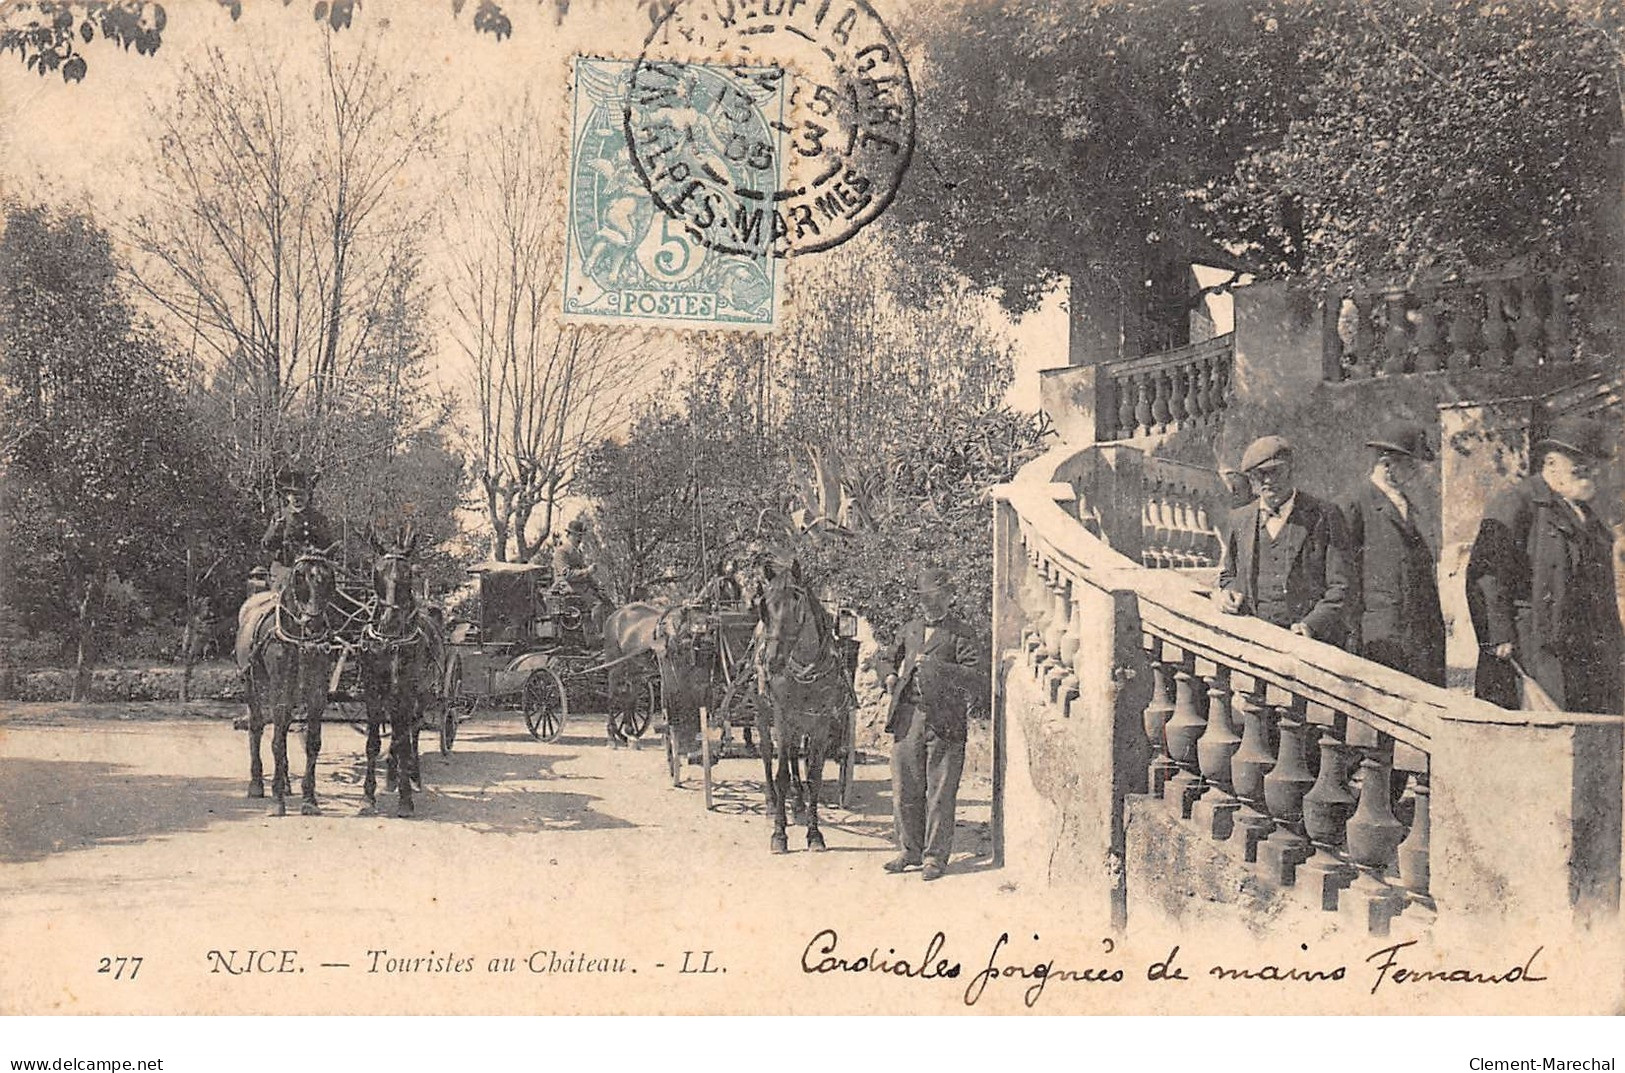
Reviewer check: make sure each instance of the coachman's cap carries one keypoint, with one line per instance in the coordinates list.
(1266, 452)
(1580, 436)
(932, 579)
(1403, 437)
(294, 480)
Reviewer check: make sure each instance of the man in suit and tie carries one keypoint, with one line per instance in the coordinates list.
(1284, 552)
(1394, 617)
(1540, 581)
(935, 672)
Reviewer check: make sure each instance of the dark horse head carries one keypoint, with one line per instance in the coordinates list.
(309, 592)
(796, 630)
(395, 612)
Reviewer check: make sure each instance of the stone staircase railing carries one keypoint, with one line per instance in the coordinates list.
(1486, 321)
(1352, 790)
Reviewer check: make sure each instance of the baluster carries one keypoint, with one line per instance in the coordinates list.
(1557, 319)
(1495, 326)
(1248, 766)
(1193, 391)
(1463, 329)
(1056, 636)
(1394, 338)
(1157, 714)
(1215, 811)
(1364, 362)
(1284, 789)
(1528, 328)
(1181, 733)
(1221, 382)
(1072, 684)
(1415, 873)
(1159, 520)
(1189, 536)
(1037, 651)
(1125, 406)
(1429, 359)
(1143, 415)
(1326, 811)
(1159, 403)
(1176, 396)
(1148, 529)
(1373, 834)
(1066, 645)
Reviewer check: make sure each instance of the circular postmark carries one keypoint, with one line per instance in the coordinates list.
(771, 126)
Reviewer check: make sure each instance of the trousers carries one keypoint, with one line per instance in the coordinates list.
(925, 770)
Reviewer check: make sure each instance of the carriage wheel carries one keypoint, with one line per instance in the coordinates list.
(546, 706)
(843, 795)
(635, 723)
(451, 705)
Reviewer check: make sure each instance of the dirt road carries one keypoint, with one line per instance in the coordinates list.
(125, 831)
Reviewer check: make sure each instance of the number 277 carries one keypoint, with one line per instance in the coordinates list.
(119, 968)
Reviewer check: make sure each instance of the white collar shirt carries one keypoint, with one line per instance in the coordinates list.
(1275, 521)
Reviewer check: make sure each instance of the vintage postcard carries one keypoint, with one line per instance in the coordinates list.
(1152, 547)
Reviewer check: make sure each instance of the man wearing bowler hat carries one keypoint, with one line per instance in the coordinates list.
(1283, 557)
(1540, 582)
(1394, 617)
(297, 526)
(934, 674)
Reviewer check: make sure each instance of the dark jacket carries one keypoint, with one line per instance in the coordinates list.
(290, 534)
(1392, 606)
(1542, 579)
(941, 671)
(1318, 579)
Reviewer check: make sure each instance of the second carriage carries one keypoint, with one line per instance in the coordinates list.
(724, 642)
(531, 650)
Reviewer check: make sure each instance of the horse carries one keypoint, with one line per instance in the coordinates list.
(285, 654)
(402, 652)
(806, 696)
(630, 655)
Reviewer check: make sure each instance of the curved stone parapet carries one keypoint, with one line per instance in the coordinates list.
(1289, 769)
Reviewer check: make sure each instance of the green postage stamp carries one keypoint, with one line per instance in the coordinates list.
(671, 166)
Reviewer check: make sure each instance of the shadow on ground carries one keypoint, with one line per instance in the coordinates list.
(55, 806)
(493, 792)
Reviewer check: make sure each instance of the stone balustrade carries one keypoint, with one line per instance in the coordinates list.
(1501, 321)
(1183, 503)
(1356, 793)
(1163, 393)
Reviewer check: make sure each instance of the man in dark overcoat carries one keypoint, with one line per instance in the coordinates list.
(1540, 581)
(1284, 553)
(297, 527)
(935, 672)
(1394, 617)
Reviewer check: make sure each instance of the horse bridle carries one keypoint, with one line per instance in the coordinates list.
(827, 656)
(387, 603)
(304, 615)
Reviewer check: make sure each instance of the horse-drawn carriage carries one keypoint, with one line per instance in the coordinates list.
(724, 645)
(532, 650)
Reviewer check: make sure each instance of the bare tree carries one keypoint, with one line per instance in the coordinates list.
(281, 223)
(544, 393)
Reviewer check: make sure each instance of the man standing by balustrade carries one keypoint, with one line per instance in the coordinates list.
(935, 673)
(1540, 582)
(1284, 552)
(1394, 617)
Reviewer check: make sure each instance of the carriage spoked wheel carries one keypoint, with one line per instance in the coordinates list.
(546, 706)
(849, 760)
(636, 720)
(451, 707)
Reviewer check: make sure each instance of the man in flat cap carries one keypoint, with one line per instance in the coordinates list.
(297, 526)
(934, 673)
(1393, 611)
(1540, 581)
(1283, 557)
